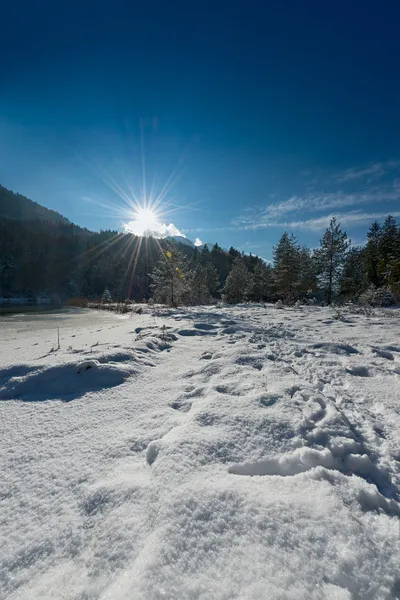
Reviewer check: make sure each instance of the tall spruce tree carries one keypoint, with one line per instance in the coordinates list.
(238, 283)
(287, 261)
(330, 258)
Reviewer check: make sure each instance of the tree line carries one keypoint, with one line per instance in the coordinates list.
(336, 271)
(66, 261)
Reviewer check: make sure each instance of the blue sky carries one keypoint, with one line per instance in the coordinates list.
(249, 117)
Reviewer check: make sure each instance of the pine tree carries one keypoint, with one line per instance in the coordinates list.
(353, 280)
(237, 284)
(262, 282)
(287, 262)
(106, 297)
(171, 278)
(330, 257)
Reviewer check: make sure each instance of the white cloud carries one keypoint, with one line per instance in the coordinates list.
(198, 242)
(159, 230)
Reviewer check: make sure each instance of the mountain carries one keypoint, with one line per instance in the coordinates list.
(179, 239)
(16, 206)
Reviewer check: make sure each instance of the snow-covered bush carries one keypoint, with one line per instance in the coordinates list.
(377, 297)
(150, 302)
(279, 304)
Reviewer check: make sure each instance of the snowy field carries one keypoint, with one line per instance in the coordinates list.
(212, 453)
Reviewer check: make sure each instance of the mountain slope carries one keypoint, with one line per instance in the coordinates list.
(16, 206)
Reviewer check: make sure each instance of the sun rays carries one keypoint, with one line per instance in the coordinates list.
(142, 200)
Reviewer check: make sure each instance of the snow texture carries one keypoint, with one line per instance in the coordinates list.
(212, 453)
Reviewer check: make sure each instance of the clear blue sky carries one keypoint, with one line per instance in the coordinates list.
(274, 114)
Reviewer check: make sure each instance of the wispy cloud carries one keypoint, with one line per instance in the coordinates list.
(330, 200)
(276, 214)
(353, 218)
(374, 171)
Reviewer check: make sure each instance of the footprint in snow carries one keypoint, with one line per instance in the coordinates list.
(358, 371)
(181, 406)
(228, 389)
(383, 353)
(268, 401)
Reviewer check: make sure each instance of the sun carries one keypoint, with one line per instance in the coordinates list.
(145, 221)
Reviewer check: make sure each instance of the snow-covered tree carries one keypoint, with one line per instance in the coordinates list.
(106, 297)
(200, 293)
(238, 283)
(330, 258)
(171, 278)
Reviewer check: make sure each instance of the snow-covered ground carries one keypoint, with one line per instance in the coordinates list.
(209, 453)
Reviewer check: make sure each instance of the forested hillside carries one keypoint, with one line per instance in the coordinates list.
(16, 206)
(49, 255)
(44, 257)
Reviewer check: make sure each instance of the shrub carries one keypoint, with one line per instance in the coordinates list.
(377, 297)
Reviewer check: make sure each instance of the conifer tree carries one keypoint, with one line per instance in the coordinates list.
(200, 292)
(106, 297)
(353, 280)
(287, 260)
(330, 258)
(238, 283)
(171, 278)
(262, 282)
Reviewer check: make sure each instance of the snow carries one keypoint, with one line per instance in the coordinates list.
(208, 453)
